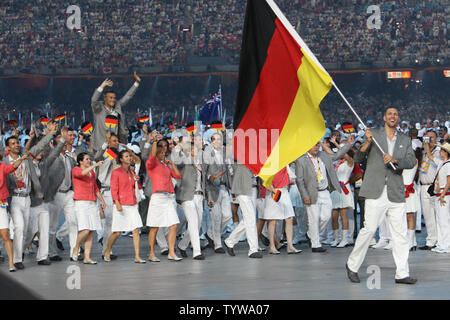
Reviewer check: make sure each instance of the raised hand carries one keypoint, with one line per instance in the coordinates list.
(106, 83)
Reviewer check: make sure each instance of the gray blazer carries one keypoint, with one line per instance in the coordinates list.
(100, 113)
(35, 150)
(185, 189)
(145, 155)
(306, 176)
(377, 174)
(242, 181)
(41, 185)
(214, 168)
(56, 174)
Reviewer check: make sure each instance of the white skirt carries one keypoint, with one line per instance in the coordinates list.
(88, 216)
(4, 219)
(412, 202)
(162, 211)
(278, 210)
(342, 200)
(126, 220)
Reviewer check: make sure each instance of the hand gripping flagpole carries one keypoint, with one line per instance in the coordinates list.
(360, 120)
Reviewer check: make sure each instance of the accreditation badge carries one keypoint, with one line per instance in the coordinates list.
(320, 177)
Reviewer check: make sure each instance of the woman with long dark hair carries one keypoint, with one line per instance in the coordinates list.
(85, 196)
(125, 211)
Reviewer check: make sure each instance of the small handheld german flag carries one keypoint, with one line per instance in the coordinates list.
(87, 128)
(217, 126)
(144, 119)
(191, 128)
(276, 195)
(44, 121)
(348, 128)
(111, 122)
(110, 154)
(12, 123)
(60, 118)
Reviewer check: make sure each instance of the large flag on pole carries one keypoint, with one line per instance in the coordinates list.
(281, 84)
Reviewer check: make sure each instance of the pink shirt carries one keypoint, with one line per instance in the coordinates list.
(84, 187)
(123, 187)
(281, 179)
(160, 175)
(4, 171)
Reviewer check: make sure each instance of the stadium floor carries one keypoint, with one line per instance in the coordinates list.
(303, 276)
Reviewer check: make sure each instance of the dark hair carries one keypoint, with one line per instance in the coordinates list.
(413, 132)
(387, 108)
(351, 153)
(114, 135)
(80, 157)
(108, 91)
(9, 139)
(121, 154)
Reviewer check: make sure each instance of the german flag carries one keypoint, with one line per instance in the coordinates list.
(110, 154)
(144, 119)
(111, 121)
(276, 195)
(217, 125)
(60, 118)
(191, 128)
(44, 121)
(348, 128)
(281, 84)
(87, 128)
(12, 123)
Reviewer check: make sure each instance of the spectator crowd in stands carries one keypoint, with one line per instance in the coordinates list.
(148, 33)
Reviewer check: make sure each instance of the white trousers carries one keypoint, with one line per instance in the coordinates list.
(108, 218)
(20, 215)
(375, 211)
(220, 216)
(63, 202)
(384, 232)
(443, 223)
(40, 213)
(429, 215)
(247, 224)
(319, 214)
(193, 211)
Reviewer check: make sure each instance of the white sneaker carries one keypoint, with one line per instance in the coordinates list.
(389, 246)
(334, 243)
(380, 244)
(440, 250)
(343, 243)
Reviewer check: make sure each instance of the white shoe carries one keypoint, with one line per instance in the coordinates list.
(373, 242)
(440, 250)
(343, 243)
(389, 246)
(380, 244)
(334, 243)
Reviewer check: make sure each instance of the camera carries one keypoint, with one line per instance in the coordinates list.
(426, 139)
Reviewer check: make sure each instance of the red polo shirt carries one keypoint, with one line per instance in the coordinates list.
(84, 187)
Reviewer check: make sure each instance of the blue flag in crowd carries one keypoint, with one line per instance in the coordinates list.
(212, 108)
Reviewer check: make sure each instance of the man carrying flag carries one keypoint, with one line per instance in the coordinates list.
(281, 85)
(110, 107)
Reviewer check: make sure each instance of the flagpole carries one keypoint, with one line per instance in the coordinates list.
(359, 119)
(305, 47)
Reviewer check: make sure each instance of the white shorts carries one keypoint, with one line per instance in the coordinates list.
(88, 216)
(278, 210)
(4, 219)
(162, 211)
(126, 220)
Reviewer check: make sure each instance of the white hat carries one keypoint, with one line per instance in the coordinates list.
(447, 124)
(445, 146)
(134, 148)
(338, 126)
(418, 126)
(436, 121)
(361, 126)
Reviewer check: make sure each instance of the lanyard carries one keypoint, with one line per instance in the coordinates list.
(21, 172)
(318, 163)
